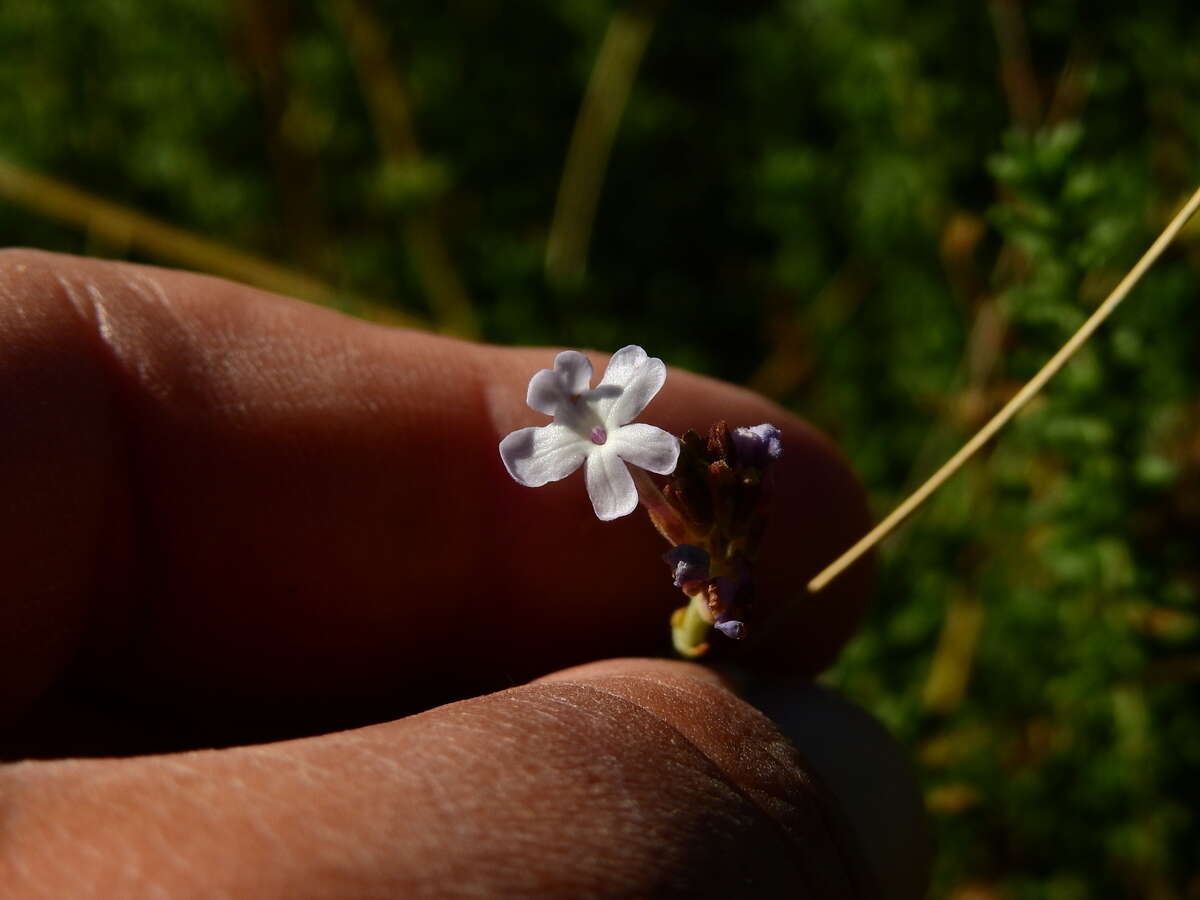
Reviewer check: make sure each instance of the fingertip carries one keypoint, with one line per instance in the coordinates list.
(762, 730)
(820, 509)
(829, 819)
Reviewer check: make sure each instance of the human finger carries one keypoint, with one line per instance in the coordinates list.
(629, 778)
(213, 492)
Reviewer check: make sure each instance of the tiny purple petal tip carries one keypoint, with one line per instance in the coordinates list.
(732, 629)
(758, 446)
(688, 564)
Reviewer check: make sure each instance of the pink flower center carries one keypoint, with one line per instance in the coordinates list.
(598, 435)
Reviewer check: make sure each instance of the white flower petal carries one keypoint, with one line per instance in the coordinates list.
(535, 456)
(550, 389)
(646, 447)
(624, 365)
(545, 394)
(610, 485)
(643, 383)
(574, 371)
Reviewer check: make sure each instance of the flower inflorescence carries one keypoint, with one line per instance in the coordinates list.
(712, 509)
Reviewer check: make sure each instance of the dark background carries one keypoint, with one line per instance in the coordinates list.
(883, 214)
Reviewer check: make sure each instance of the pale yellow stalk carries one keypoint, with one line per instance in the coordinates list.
(1035, 384)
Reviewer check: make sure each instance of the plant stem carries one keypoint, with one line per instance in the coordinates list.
(591, 145)
(690, 627)
(1023, 396)
(388, 104)
(123, 226)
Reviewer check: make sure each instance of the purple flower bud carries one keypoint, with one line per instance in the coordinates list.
(758, 446)
(727, 603)
(689, 565)
(732, 629)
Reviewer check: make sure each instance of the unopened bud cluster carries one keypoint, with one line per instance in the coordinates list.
(714, 513)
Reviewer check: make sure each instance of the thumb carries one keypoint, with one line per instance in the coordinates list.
(625, 778)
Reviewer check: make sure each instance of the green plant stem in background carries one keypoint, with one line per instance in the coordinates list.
(119, 226)
(607, 94)
(391, 113)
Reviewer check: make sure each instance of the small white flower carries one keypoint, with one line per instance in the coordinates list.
(592, 427)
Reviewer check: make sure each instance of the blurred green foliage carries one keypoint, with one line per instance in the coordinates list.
(884, 214)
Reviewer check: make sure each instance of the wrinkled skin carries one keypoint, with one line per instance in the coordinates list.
(229, 518)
